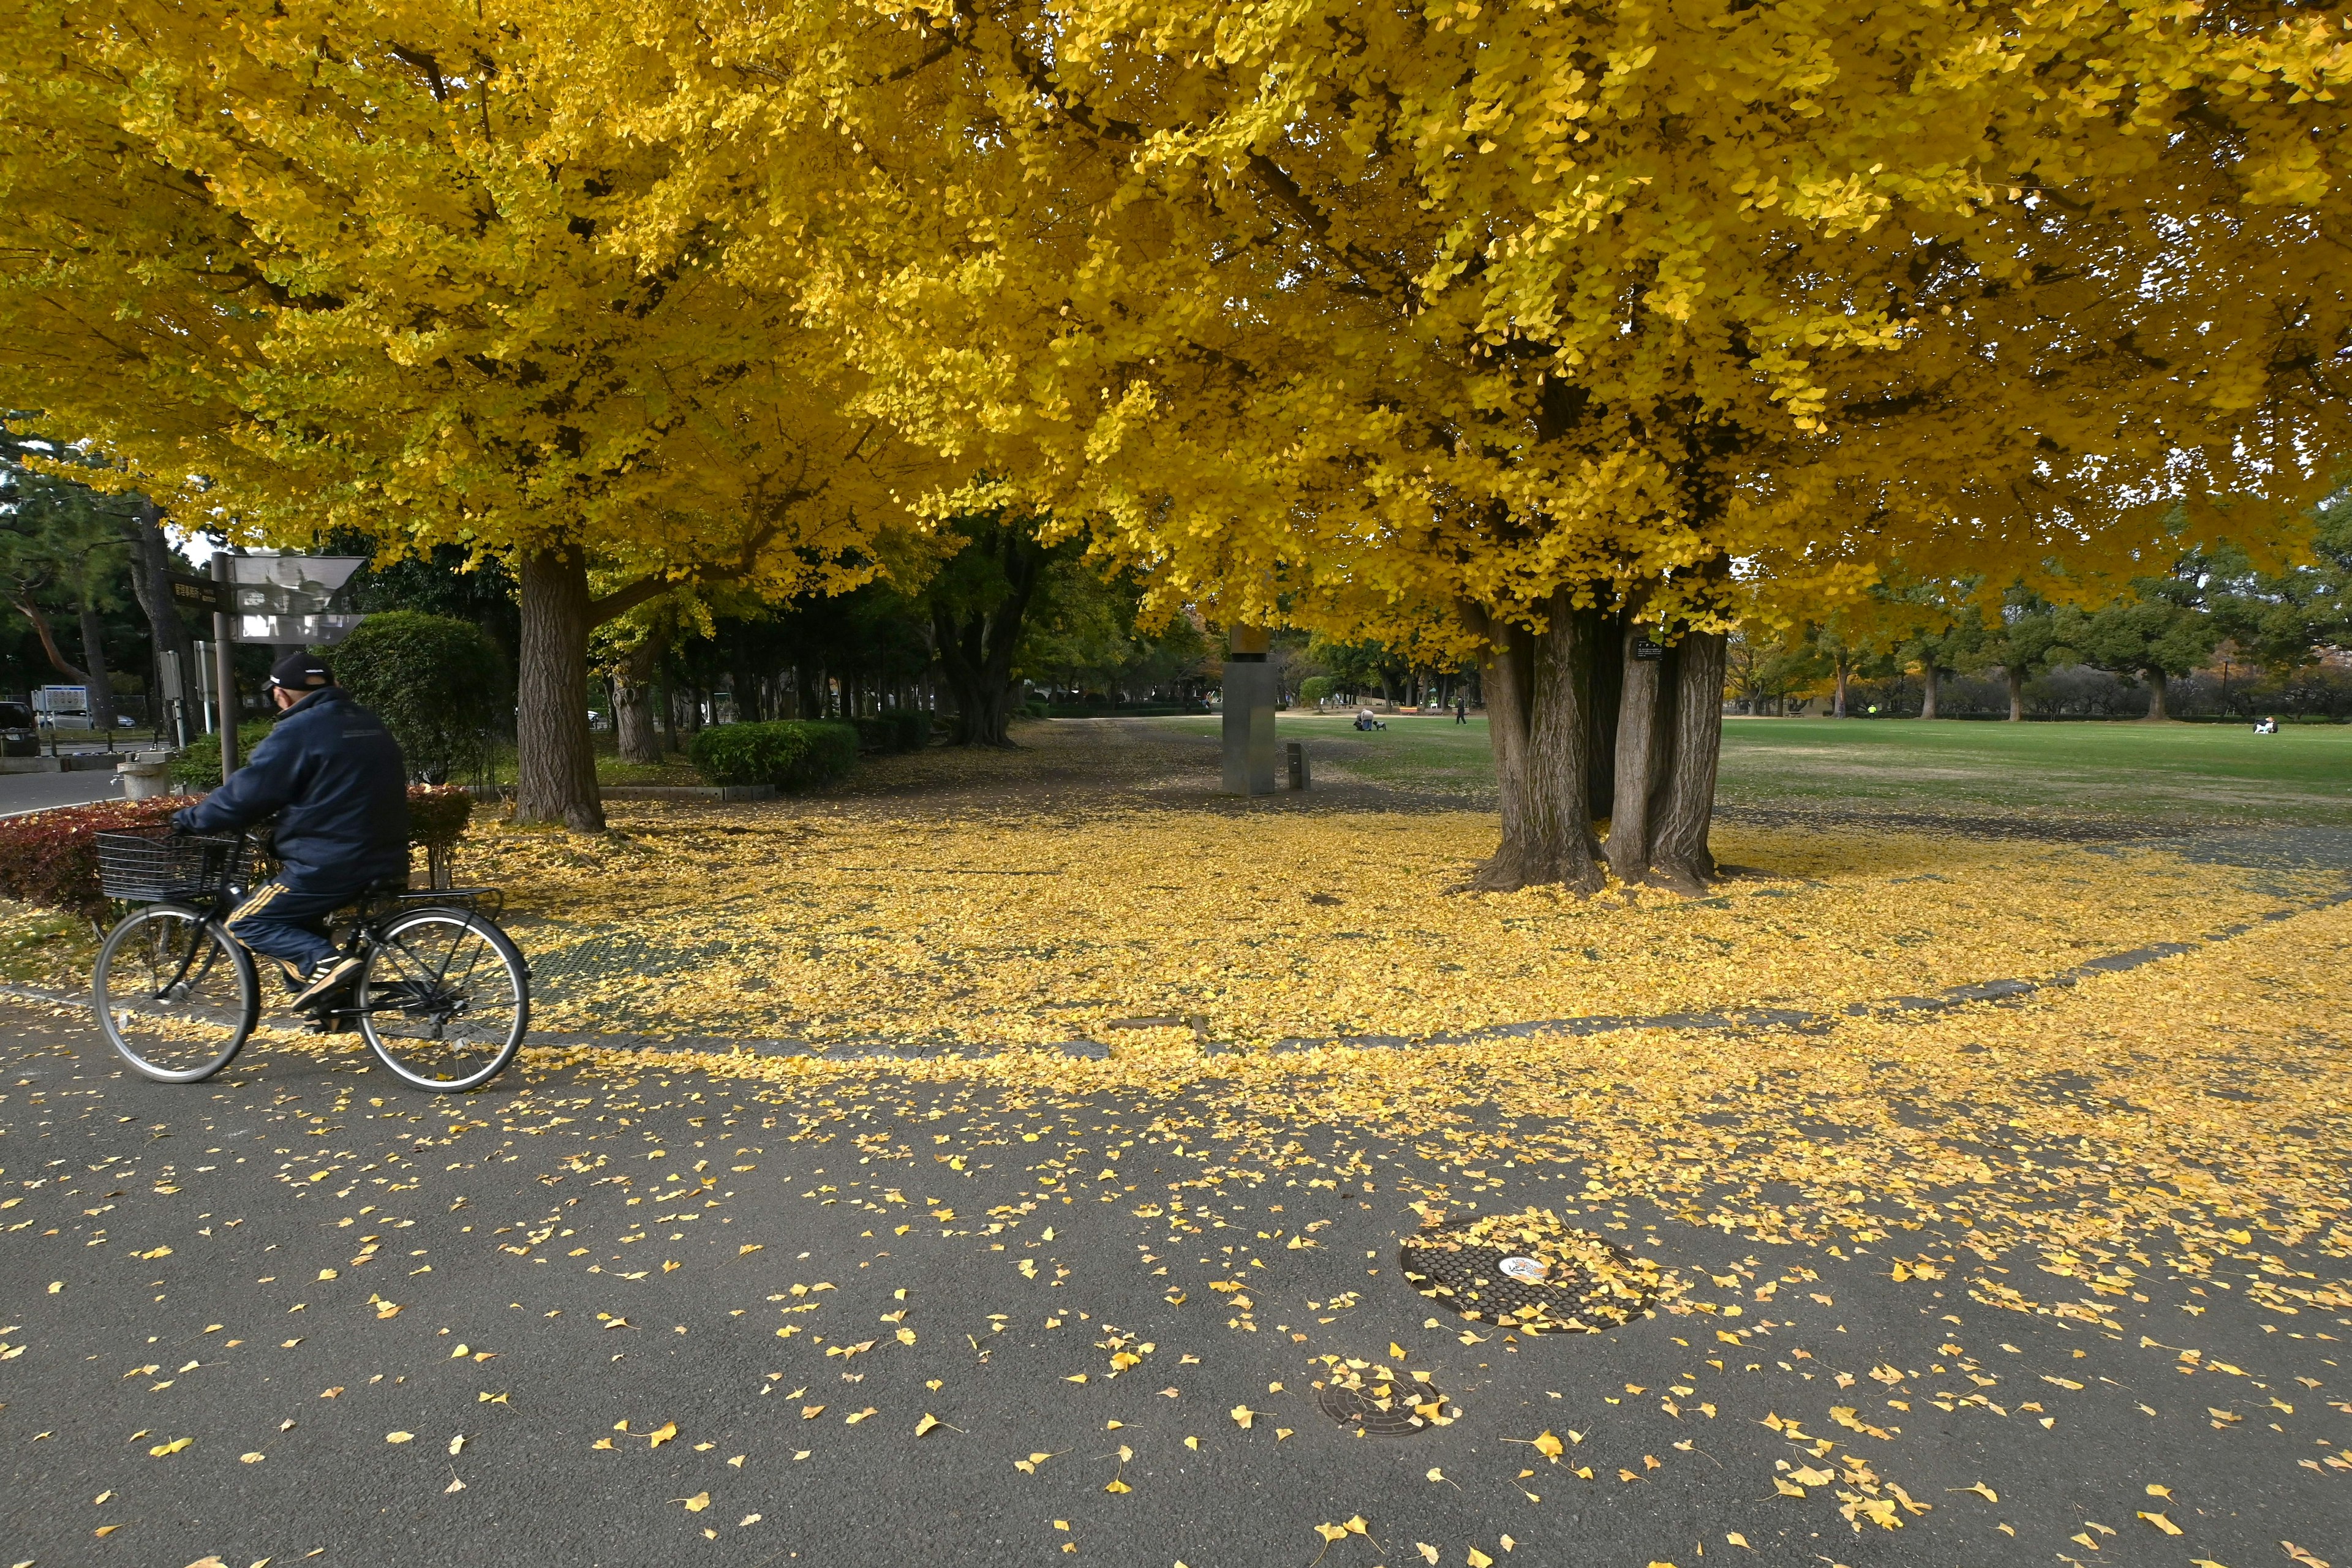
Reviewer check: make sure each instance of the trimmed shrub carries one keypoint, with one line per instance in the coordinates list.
(50, 858)
(439, 814)
(790, 754)
(198, 767)
(1316, 688)
(439, 683)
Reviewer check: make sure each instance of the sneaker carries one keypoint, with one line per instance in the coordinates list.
(325, 978)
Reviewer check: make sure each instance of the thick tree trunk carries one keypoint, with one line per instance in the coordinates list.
(633, 702)
(1839, 713)
(1640, 744)
(1538, 704)
(2157, 713)
(1507, 670)
(555, 755)
(1678, 851)
(93, 653)
(2016, 693)
(983, 710)
(975, 650)
(1930, 679)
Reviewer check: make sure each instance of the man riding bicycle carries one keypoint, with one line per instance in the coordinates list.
(335, 778)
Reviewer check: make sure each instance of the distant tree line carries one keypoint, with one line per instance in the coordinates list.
(2212, 636)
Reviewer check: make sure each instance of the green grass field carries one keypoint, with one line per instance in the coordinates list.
(2158, 772)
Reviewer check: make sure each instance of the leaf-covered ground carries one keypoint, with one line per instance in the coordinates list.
(2052, 1279)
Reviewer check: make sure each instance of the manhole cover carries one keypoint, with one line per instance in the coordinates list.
(1376, 1402)
(1531, 1273)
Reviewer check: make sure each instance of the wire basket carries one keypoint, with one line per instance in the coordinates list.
(147, 868)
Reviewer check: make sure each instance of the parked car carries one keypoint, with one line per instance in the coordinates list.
(19, 738)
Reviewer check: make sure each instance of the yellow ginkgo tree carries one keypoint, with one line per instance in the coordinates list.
(1557, 331)
(329, 265)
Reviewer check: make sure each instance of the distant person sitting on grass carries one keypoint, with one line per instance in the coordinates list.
(2266, 726)
(1364, 721)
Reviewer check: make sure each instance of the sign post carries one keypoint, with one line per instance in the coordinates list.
(268, 599)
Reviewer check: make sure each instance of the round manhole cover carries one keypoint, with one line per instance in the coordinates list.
(1531, 1273)
(1375, 1402)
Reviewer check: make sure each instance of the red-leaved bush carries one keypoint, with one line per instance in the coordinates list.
(50, 858)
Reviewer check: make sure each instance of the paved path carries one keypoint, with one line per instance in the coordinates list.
(300, 1314)
(21, 793)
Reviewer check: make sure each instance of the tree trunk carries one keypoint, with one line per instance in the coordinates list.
(1639, 743)
(668, 704)
(1839, 712)
(93, 653)
(2016, 693)
(1539, 723)
(633, 704)
(555, 754)
(150, 580)
(48, 635)
(1930, 678)
(1679, 852)
(1605, 695)
(2157, 713)
(975, 653)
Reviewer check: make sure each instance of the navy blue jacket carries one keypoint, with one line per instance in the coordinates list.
(335, 779)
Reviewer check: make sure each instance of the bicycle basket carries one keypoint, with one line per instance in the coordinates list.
(151, 867)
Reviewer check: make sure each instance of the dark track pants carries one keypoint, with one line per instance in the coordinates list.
(281, 922)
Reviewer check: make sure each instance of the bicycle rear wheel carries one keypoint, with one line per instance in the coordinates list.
(444, 999)
(174, 993)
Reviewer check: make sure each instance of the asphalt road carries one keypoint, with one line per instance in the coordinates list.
(300, 1314)
(39, 791)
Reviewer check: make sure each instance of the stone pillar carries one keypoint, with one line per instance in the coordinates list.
(1249, 715)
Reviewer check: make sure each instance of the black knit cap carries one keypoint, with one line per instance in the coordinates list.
(302, 671)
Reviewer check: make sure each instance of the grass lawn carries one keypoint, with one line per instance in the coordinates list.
(674, 769)
(2178, 773)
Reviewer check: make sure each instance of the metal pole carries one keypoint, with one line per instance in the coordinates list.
(225, 668)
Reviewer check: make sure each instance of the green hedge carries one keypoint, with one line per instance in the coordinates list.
(790, 754)
(198, 767)
(1115, 709)
(439, 683)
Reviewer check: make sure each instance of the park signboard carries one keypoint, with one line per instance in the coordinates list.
(284, 599)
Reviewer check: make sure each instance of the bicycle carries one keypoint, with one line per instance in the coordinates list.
(443, 997)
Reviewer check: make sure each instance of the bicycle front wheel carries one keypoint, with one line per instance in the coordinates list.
(444, 999)
(174, 993)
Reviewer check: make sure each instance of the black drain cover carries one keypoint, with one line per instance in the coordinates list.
(1377, 1403)
(1530, 1273)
